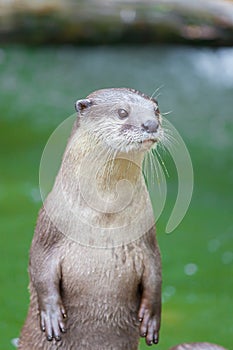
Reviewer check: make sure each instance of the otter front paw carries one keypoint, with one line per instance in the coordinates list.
(150, 325)
(52, 321)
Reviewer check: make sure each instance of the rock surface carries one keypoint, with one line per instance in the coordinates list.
(206, 22)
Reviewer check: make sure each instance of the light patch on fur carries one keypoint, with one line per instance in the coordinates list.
(198, 346)
(15, 342)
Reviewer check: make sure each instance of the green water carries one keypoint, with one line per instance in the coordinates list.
(38, 88)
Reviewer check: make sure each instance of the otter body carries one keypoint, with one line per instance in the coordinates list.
(95, 270)
(101, 300)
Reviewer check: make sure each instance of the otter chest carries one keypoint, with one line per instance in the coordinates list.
(95, 273)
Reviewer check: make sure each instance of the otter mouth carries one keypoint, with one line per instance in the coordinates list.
(147, 144)
(148, 141)
(134, 140)
(139, 138)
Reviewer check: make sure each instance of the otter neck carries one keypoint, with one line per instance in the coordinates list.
(103, 166)
(120, 167)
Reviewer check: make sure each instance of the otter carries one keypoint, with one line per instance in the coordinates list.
(95, 266)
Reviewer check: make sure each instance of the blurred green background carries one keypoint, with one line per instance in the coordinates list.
(38, 88)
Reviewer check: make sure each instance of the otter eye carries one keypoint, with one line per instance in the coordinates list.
(123, 113)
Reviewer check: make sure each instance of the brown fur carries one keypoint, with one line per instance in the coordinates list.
(104, 298)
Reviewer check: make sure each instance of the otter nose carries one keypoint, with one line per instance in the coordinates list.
(150, 125)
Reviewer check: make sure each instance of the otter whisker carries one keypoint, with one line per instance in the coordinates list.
(156, 90)
(109, 166)
(166, 113)
(162, 162)
(168, 137)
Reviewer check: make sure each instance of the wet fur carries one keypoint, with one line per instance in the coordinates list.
(104, 298)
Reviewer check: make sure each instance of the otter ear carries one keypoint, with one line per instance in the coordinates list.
(80, 105)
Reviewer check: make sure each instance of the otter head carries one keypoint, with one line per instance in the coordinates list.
(123, 119)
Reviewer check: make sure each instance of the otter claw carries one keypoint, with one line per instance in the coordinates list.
(63, 329)
(52, 322)
(149, 327)
(156, 339)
